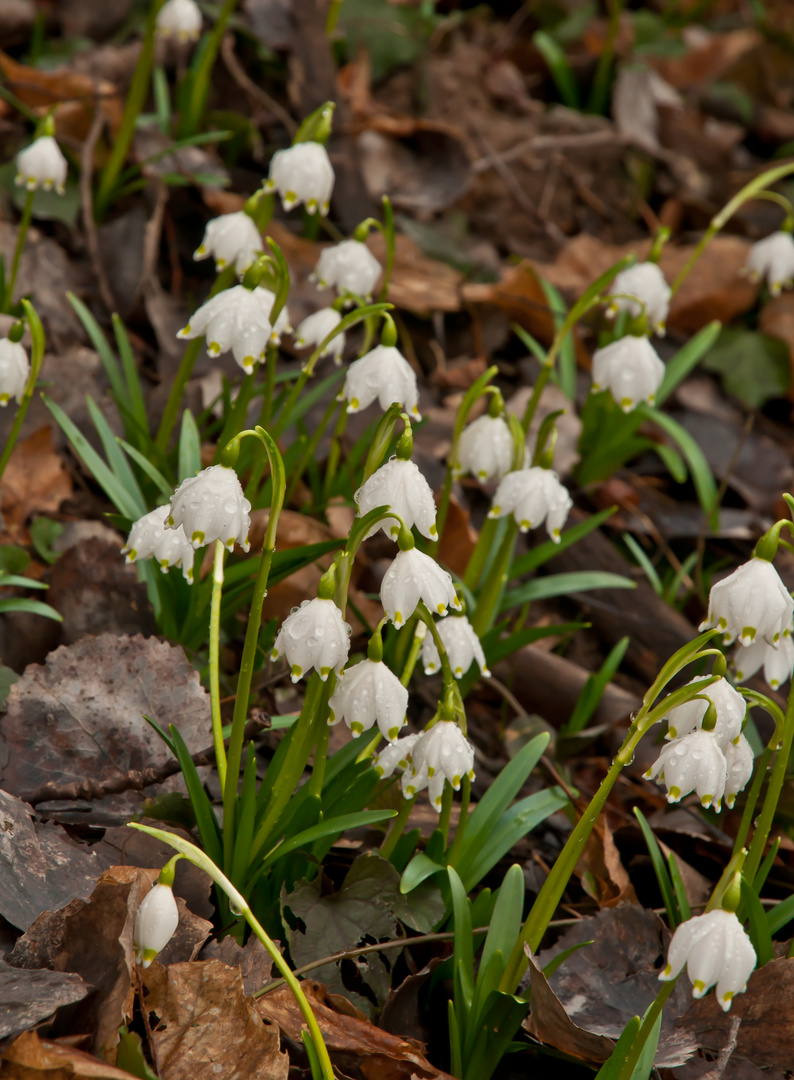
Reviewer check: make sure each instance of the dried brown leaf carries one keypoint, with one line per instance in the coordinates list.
(29, 1057)
(551, 1024)
(208, 1027)
(35, 481)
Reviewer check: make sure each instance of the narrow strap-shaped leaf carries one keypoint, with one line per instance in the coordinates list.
(199, 800)
(189, 459)
(660, 869)
(143, 462)
(131, 377)
(563, 584)
(116, 457)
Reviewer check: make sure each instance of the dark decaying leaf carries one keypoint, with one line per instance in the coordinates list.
(551, 1024)
(253, 960)
(28, 997)
(603, 985)
(208, 1027)
(40, 868)
(78, 720)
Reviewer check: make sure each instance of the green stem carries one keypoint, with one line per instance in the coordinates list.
(335, 452)
(648, 1024)
(201, 78)
(136, 98)
(271, 361)
(389, 236)
(310, 450)
(479, 557)
(413, 656)
(748, 813)
(186, 365)
(214, 651)
(446, 811)
(491, 590)
(749, 191)
(545, 375)
(22, 232)
(779, 769)
(396, 828)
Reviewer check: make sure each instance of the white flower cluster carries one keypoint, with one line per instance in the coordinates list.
(439, 753)
(349, 267)
(150, 537)
(401, 486)
(714, 764)
(238, 319)
(715, 949)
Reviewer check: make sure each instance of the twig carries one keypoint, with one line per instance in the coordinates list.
(544, 144)
(721, 1064)
(151, 240)
(235, 69)
(87, 203)
(135, 779)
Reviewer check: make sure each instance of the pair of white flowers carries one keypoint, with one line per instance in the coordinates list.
(208, 507)
(427, 760)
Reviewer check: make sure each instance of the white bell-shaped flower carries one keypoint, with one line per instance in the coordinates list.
(739, 759)
(315, 329)
(42, 165)
(414, 576)
(777, 661)
(14, 370)
(233, 239)
(692, 763)
(485, 449)
(647, 282)
(315, 636)
(349, 267)
(212, 506)
(238, 319)
(156, 920)
(385, 374)
(532, 496)
(150, 538)
(396, 755)
(302, 174)
(401, 486)
(729, 704)
(462, 645)
(752, 604)
(715, 949)
(180, 19)
(631, 369)
(442, 753)
(772, 258)
(366, 693)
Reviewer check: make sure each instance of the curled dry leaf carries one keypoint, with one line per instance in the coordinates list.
(34, 481)
(29, 1056)
(208, 1027)
(551, 1024)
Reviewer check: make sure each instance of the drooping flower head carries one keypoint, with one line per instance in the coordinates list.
(462, 645)
(442, 753)
(396, 755)
(647, 282)
(485, 449)
(729, 704)
(715, 949)
(739, 759)
(180, 19)
(42, 165)
(367, 693)
(414, 576)
(772, 258)
(14, 370)
(349, 267)
(631, 369)
(385, 374)
(212, 506)
(155, 922)
(233, 239)
(694, 762)
(400, 485)
(238, 319)
(315, 329)
(151, 538)
(315, 636)
(752, 604)
(777, 661)
(533, 496)
(302, 174)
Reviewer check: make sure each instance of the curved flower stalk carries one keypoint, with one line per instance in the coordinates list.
(302, 174)
(532, 496)
(646, 282)
(233, 240)
(203, 862)
(773, 259)
(462, 644)
(150, 537)
(350, 268)
(631, 369)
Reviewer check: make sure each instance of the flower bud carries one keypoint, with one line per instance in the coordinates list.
(155, 922)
